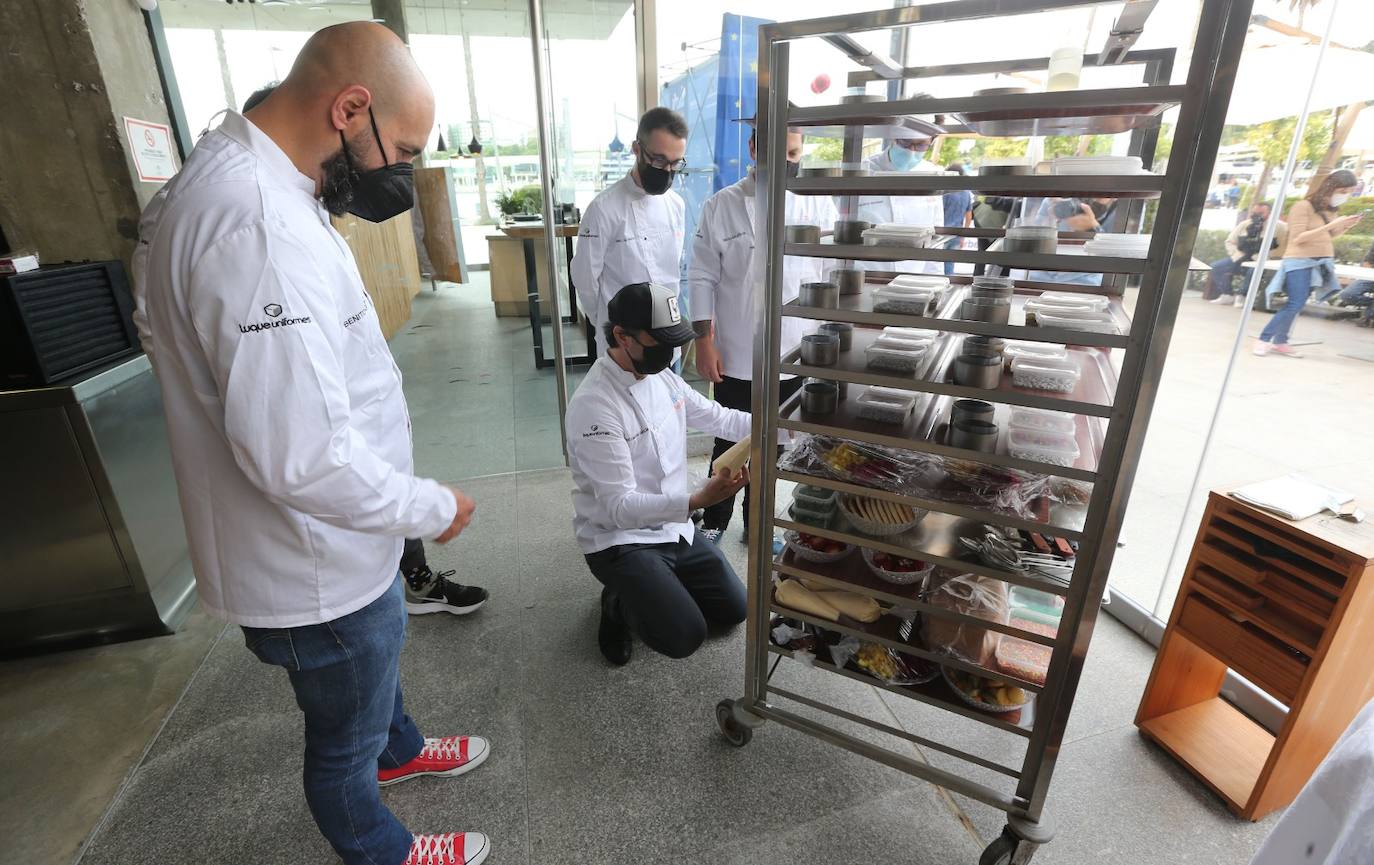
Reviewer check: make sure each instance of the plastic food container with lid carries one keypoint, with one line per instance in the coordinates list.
(1060, 376)
(1096, 301)
(897, 355)
(902, 300)
(898, 235)
(886, 405)
(1023, 417)
(816, 505)
(1043, 446)
(911, 334)
(913, 280)
(1064, 310)
(1041, 350)
(1096, 322)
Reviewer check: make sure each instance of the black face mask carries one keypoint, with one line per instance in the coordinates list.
(655, 358)
(655, 181)
(793, 168)
(375, 195)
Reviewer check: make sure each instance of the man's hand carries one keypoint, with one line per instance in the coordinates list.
(466, 507)
(720, 487)
(708, 360)
(1084, 220)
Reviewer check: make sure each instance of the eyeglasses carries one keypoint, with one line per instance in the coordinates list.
(659, 161)
(916, 144)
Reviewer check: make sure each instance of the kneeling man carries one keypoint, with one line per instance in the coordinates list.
(627, 440)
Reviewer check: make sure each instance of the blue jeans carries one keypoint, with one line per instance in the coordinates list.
(347, 681)
(952, 243)
(1298, 284)
(1223, 277)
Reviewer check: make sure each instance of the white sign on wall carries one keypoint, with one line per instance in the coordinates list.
(151, 145)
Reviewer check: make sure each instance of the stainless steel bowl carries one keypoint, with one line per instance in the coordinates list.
(984, 346)
(802, 234)
(991, 310)
(974, 435)
(821, 171)
(971, 409)
(819, 397)
(861, 98)
(849, 279)
(825, 295)
(821, 349)
(851, 230)
(973, 371)
(842, 330)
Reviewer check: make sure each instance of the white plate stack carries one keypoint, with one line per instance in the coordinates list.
(1099, 165)
(1119, 245)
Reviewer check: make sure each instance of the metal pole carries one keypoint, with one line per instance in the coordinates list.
(1256, 277)
(646, 53)
(541, 99)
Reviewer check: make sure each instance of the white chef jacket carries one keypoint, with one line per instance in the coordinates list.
(726, 279)
(626, 236)
(903, 209)
(627, 441)
(290, 435)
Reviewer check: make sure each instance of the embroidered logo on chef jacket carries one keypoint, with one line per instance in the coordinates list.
(355, 317)
(274, 311)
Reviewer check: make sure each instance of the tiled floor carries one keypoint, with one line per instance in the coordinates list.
(608, 766)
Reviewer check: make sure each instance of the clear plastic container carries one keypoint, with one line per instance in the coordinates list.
(886, 405)
(1096, 301)
(911, 334)
(1034, 350)
(1043, 446)
(815, 498)
(1064, 309)
(902, 301)
(1060, 376)
(819, 519)
(897, 355)
(1099, 322)
(1023, 417)
(911, 280)
(887, 235)
(1034, 605)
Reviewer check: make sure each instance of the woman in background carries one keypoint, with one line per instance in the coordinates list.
(1309, 259)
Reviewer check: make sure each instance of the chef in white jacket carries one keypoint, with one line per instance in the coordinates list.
(289, 431)
(627, 442)
(725, 277)
(904, 154)
(634, 229)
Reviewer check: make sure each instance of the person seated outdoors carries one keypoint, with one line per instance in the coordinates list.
(627, 442)
(1357, 294)
(1242, 245)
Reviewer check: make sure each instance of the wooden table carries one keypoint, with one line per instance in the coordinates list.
(527, 233)
(1290, 607)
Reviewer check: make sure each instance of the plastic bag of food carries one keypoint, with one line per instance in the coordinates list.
(882, 663)
(973, 596)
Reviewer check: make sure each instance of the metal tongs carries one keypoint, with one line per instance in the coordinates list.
(997, 552)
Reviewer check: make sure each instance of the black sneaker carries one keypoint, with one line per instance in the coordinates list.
(614, 634)
(428, 592)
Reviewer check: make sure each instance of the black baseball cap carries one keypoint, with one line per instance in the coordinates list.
(650, 307)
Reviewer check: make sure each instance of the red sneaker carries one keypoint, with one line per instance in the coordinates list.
(461, 848)
(451, 755)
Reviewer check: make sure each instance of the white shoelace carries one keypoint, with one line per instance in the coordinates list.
(434, 850)
(443, 749)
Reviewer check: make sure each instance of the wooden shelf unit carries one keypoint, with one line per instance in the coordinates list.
(1288, 606)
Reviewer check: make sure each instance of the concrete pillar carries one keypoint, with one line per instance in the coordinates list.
(393, 15)
(73, 70)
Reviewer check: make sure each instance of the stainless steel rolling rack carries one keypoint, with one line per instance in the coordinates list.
(1119, 402)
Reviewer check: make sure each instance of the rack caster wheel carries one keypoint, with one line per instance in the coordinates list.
(1000, 851)
(735, 733)
(1010, 848)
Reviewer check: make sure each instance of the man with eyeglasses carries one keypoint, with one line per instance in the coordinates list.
(906, 154)
(632, 232)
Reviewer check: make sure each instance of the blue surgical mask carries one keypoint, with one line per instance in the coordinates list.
(903, 159)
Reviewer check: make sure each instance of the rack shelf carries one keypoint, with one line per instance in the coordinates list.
(1070, 258)
(1092, 396)
(1012, 186)
(858, 309)
(851, 574)
(935, 693)
(1073, 112)
(884, 631)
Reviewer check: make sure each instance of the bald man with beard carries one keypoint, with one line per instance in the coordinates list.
(290, 434)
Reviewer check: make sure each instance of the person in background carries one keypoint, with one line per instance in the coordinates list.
(1309, 259)
(724, 287)
(627, 443)
(634, 229)
(425, 590)
(1357, 294)
(907, 154)
(958, 213)
(1242, 245)
(289, 430)
(1070, 214)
